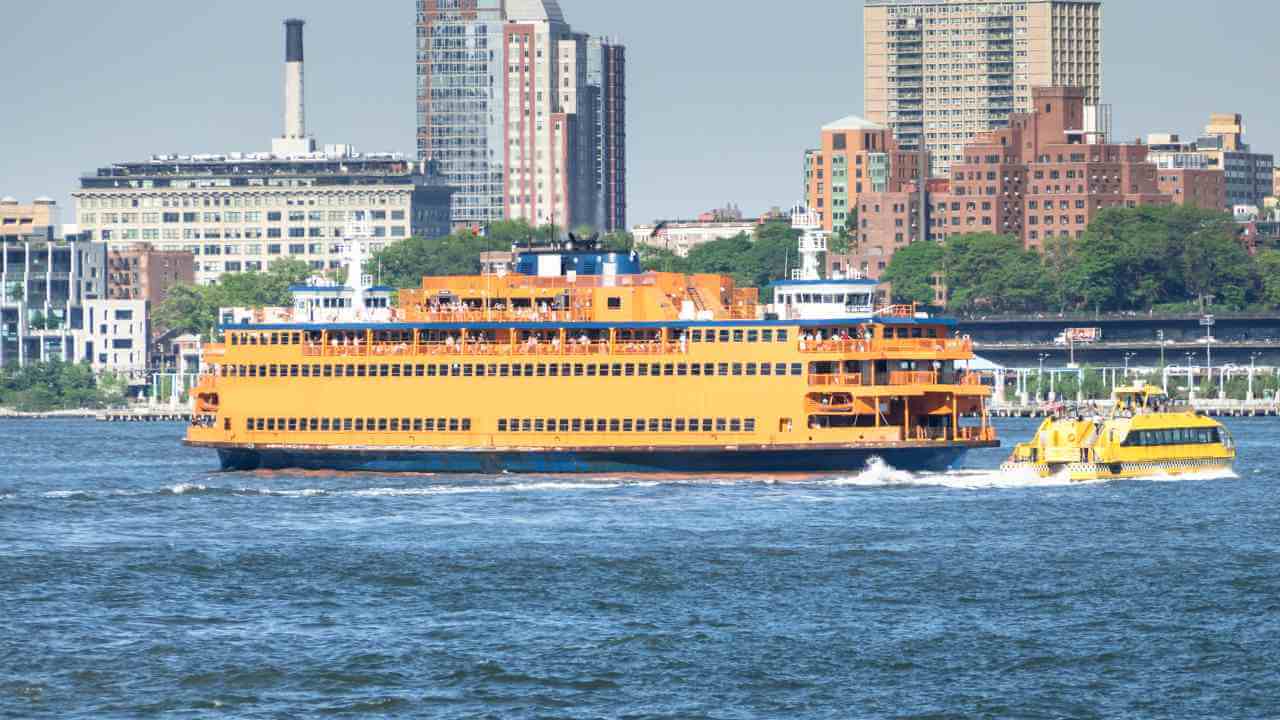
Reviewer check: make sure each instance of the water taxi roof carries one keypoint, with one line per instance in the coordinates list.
(679, 324)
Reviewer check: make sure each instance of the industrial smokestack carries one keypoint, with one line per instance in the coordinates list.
(295, 123)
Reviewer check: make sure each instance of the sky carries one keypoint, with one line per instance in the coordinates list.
(723, 97)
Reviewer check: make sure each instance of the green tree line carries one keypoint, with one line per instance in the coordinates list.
(1129, 259)
(57, 385)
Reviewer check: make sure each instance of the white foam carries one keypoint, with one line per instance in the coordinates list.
(880, 474)
(186, 488)
(479, 489)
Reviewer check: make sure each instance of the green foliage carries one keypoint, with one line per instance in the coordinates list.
(911, 272)
(1268, 262)
(993, 273)
(55, 385)
(405, 263)
(194, 308)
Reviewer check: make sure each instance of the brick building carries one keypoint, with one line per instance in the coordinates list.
(857, 156)
(139, 271)
(1042, 179)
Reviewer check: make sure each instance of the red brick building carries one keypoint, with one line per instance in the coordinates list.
(140, 272)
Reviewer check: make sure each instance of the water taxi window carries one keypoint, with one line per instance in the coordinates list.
(737, 336)
(753, 336)
(724, 336)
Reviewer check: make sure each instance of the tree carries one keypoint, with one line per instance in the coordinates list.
(1268, 263)
(194, 308)
(911, 272)
(993, 273)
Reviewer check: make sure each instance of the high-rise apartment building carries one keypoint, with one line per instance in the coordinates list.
(939, 72)
(857, 156)
(524, 117)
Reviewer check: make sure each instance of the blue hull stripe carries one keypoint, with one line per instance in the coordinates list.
(840, 460)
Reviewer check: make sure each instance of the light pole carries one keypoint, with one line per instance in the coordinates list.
(1040, 378)
(1160, 336)
(1127, 357)
(1253, 359)
(1208, 322)
(1191, 388)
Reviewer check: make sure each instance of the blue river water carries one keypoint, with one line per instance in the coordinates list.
(136, 581)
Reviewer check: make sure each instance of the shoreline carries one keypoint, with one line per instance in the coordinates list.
(107, 414)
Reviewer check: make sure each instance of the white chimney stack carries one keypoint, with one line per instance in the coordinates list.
(295, 140)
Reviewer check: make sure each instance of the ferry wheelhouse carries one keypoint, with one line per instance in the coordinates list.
(577, 361)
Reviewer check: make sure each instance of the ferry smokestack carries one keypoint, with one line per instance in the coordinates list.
(295, 123)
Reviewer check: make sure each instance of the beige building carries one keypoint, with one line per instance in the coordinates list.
(17, 219)
(939, 72)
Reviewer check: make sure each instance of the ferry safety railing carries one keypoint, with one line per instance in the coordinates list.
(908, 377)
(570, 348)
(835, 380)
(505, 315)
(851, 346)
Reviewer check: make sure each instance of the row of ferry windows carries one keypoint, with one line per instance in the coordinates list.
(359, 424)
(1174, 436)
(697, 336)
(626, 425)
(518, 370)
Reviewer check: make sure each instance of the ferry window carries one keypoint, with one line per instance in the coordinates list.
(346, 424)
(751, 369)
(591, 371)
(261, 424)
(932, 332)
(578, 370)
(766, 369)
(630, 370)
(749, 425)
(706, 425)
(617, 370)
(782, 336)
(682, 369)
(430, 424)
(737, 368)
(697, 336)
(408, 371)
(327, 370)
(431, 371)
(395, 424)
(626, 425)
(655, 370)
(504, 370)
(916, 332)
(359, 424)
(766, 335)
(382, 425)
(653, 425)
(324, 424)
(693, 425)
(668, 370)
(679, 424)
(306, 370)
(502, 425)
(600, 424)
(724, 336)
(248, 424)
(466, 424)
(539, 425)
(455, 370)
(542, 371)
(526, 425)
(589, 425)
(528, 370)
(235, 339)
(695, 369)
(313, 424)
(643, 370)
(272, 370)
(564, 425)
(735, 425)
(722, 369)
(271, 424)
(453, 425)
(359, 371)
(737, 336)
(293, 424)
(384, 371)
(614, 425)
(395, 371)
(753, 336)
(565, 369)
(274, 338)
(666, 425)
(711, 336)
(720, 425)
(577, 425)
(797, 369)
(615, 303)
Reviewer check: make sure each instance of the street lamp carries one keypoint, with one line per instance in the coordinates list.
(1040, 378)
(1160, 336)
(1191, 388)
(1253, 359)
(1127, 357)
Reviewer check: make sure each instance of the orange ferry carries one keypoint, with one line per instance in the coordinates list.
(578, 362)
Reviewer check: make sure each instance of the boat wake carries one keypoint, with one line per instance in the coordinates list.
(879, 474)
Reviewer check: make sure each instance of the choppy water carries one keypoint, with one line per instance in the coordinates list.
(137, 582)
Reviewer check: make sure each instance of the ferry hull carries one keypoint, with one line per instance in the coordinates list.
(938, 458)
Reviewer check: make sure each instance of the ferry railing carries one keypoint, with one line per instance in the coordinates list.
(912, 345)
(459, 349)
(835, 380)
(907, 377)
(471, 317)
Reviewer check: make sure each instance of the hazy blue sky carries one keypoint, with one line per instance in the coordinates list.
(723, 96)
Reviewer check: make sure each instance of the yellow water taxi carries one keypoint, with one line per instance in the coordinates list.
(1144, 435)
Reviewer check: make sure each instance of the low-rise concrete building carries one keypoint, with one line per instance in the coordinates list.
(116, 336)
(681, 236)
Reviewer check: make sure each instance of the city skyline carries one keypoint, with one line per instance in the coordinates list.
(711, 117)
